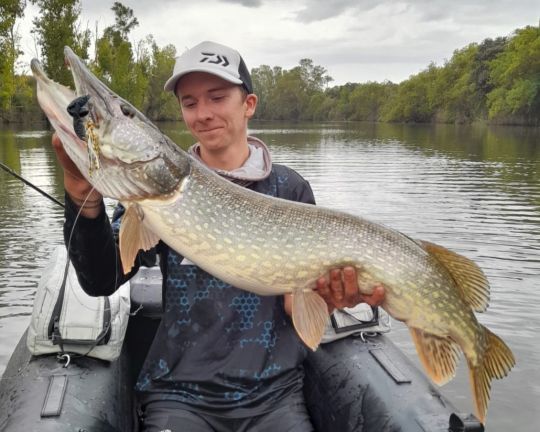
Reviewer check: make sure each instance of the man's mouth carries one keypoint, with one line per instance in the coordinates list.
(207, 130)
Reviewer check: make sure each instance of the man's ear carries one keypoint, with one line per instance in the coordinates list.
(251, 104)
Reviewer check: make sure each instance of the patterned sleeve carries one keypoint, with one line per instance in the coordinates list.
(93, 250)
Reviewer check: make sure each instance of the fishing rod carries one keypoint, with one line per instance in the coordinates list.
(41, 191)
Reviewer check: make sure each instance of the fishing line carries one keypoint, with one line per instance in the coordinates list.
(77, 216)
(116, 255)
(21, 178)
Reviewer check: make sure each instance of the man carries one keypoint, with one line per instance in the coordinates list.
(222, 359)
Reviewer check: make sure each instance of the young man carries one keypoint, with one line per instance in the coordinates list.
(223, 359)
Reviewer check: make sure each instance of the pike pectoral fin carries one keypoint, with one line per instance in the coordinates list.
(134, 236)
(439, 355)
(469, 278)
(496, 362)
(310, 316)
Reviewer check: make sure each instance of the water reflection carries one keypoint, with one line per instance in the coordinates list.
(473, 189)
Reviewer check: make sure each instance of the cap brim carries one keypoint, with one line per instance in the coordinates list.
(170, 85)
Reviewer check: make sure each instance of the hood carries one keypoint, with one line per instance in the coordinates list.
(256, 168)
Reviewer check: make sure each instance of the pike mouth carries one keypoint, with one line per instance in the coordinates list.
(51, 109)
(102, 101)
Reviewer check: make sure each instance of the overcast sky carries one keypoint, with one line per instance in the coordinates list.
(355, 40)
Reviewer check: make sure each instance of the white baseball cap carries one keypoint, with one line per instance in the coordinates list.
(215, 59)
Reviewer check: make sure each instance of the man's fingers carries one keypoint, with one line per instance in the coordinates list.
(322, 287)
(336, 285)
(340, 289)
(376, 298)
(350, 285)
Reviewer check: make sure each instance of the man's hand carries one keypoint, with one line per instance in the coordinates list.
(342, 290)
(78, 188)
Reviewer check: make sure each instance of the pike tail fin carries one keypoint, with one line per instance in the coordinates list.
(496, 362)
(310, 316)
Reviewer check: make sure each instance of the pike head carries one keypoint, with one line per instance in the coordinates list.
(114, 145)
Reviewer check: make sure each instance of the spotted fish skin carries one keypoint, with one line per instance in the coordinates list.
(271, 246)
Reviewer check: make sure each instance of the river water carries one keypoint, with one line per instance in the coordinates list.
(475, 190)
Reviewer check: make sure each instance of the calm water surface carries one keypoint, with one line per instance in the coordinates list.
(475, 190)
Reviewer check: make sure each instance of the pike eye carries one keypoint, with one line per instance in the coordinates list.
(127, 110)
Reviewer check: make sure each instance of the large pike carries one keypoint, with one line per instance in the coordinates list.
(266, 245)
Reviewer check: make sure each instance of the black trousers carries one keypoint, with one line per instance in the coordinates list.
(164, 418)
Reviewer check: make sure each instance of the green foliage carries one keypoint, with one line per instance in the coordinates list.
(367, 100)
(125, 21)
(295, 94)
(160, 105)
(415, 100)
(115, 62)
(10, 11)
(487, 51)
(515, 76)
(455, 89)
(496, 80)
(56, 27)
(264, 80)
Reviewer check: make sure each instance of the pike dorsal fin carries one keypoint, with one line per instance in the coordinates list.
(470, 279)
(438, 355)
(134, 236)
(310, 316)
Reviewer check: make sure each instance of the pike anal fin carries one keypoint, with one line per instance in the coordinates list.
(134, 236)
(310, 316)
(438, 355)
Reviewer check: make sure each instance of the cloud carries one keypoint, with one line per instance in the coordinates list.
(356, 40)
(247, 3)
(318, 10)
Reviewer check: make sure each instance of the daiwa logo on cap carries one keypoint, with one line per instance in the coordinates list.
(219, 59)
(212, 58)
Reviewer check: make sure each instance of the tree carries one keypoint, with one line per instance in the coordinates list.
(290, 94)
(158, 104)
(455, 86)
(415, 100)
(10, 10)
(56, 27)
(114, 57)
(264, 80)
(314, 77)
(515, 75)
(125, 21)
(487, 51)
(367, 100)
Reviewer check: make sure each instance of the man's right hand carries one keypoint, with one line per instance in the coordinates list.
(81, 192)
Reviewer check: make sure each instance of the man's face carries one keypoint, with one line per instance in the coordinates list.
(215, 111)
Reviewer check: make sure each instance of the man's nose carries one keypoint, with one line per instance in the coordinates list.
(204, 111)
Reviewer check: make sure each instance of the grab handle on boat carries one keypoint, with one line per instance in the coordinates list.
(54, 399)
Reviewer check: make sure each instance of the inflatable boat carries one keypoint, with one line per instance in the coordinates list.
(361, 384)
